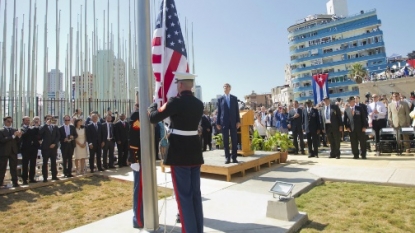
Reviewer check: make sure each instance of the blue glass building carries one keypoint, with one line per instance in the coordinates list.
(330, 44)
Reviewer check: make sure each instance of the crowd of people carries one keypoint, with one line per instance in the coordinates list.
(77, 140)
(330, 122)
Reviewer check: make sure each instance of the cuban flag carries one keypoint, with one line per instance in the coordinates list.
(320, 87)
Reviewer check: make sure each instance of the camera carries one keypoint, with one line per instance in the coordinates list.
(339, 99)
(368, 95)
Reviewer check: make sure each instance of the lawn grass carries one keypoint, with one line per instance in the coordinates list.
(64, 206)
(355, 207)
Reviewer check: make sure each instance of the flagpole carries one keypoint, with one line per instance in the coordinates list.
(12, 51)
(3, 67)
(69, 81)
(163, 45)
(28, 80)
(45, 61)
(33, 63)
(151, 218)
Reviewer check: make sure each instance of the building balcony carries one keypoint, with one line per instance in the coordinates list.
(336, 63)
(308, 78)
(343, 95)
(339, 51)
(351, 27)
(337, 22)
(338, 41)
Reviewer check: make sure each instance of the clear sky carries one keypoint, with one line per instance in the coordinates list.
(242, 42)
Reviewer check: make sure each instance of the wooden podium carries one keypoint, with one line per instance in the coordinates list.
(247, 119)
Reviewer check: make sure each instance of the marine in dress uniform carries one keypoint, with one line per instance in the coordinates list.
(135, 157)
(184, 154)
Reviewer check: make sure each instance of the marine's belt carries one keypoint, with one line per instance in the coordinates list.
(183, 133)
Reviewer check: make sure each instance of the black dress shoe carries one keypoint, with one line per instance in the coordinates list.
(363, 157)
(112, 167)
(227, 162)
(32, 181)
(332, 157)
(356, 157)
(105, 167)
(25, 182)
(316, 156)
(101, 170)
(45, 180)
(338, 157)
(311, 156)
(92, 171)
(55, 178)
(16, 185)
(69, 175)
(235, 161)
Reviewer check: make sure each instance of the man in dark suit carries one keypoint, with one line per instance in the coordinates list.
(109, 142)
(295, 118)
(332, 124)
(228, 121)
(67, 139)
(121, 132)
(207, 130)
(355, 121)
(9, 141)
(49, 134)
(95, 143)
(366, 111)
(29, 146)
(311, 126)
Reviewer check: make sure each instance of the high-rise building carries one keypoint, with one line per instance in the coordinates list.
(337, 7)
(332, 44)
(54, 84)
(83, 89)
(111, 80)
(198, 92)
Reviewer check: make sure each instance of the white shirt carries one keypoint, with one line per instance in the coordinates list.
(380, 107)
(327, 118)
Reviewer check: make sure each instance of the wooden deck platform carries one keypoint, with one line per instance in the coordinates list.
(215, 163)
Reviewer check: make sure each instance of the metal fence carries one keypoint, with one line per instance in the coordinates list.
(35, 106)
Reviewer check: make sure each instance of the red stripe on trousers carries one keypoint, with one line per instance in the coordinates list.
(173, 176)
(168, 77)
(156, 41)
(140, 201)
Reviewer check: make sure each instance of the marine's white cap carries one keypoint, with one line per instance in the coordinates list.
(180, 76)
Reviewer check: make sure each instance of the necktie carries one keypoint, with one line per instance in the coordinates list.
(96, 127)
(50, 128)
(327, 113)
(227, 101)
(376, 107)
(10, 131)
(67, 130)
(123, 123)
(353, 111)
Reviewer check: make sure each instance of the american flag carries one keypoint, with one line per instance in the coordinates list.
(170, 56)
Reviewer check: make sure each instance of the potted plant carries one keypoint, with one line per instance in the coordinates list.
(219, 141)
(257, 142)
(284, 143)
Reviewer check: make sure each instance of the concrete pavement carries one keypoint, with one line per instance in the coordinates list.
(240, 205)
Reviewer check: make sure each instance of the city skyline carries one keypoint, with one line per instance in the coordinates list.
(229, 46)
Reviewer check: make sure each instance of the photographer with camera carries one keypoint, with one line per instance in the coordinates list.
(68, 135)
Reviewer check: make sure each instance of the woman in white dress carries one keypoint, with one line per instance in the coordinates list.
(81, 147)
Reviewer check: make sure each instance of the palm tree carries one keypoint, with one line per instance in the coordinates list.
(357, 73)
